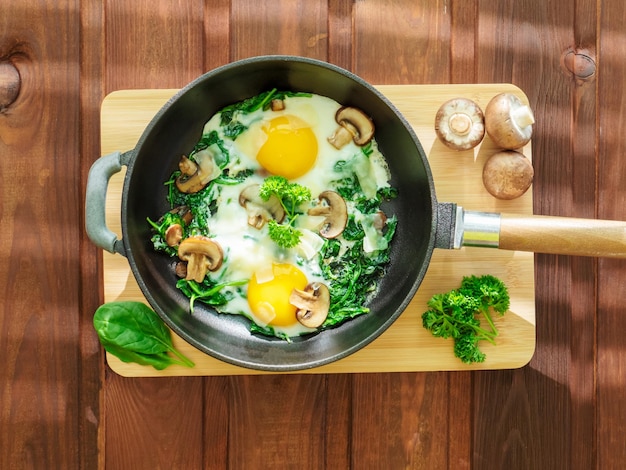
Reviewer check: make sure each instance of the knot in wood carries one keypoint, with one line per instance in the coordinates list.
(10, 83)
(580, 62)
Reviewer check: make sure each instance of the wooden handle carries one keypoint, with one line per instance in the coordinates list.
(563, 235)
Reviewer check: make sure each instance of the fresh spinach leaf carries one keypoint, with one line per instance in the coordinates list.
(133, 332)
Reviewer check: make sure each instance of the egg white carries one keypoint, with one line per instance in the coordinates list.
(248, 250)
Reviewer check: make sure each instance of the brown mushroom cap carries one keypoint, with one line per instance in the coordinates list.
(202, 255)
(173, 234)
(508, 121)
(354, 125)
(459, 124)
(332, 206)
(259, 210)
(312, 304)
(196, 175)
(507, 174)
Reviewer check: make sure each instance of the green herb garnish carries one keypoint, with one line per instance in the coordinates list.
(455, 314)
(291, 196)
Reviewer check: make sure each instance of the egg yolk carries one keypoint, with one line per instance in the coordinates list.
(268, 294)
(290, 149)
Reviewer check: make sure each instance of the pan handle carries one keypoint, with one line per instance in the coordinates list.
(95, 201)
(544, 234)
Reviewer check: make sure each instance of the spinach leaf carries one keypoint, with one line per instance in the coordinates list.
(222, 157)
(133, 332)
(209, 291)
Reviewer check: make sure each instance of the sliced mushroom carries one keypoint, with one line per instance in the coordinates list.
(508, 121)
(312, 304)
(173, 234)
(196, 175)
(507, 174)
(258, 209)
(202, 255)
(354, 125)
(277, 104)
(332, 206)
(460, 124)
(181, 269)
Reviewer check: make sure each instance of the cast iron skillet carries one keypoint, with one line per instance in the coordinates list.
(423, 223)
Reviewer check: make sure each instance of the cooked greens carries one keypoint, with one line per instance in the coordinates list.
(350, 261)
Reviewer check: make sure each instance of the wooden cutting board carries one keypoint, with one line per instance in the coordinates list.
(406, 345)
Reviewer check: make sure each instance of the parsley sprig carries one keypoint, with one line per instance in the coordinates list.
(291, 196)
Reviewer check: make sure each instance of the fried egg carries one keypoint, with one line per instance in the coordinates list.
(291, 142)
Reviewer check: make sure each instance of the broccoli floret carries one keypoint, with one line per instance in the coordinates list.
(455, 314)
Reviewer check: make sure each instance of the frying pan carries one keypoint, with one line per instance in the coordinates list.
(423, 223)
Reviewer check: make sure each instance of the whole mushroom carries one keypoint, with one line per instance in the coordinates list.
(354, 125)
(507, 174)
(508, 121)
(459, 124)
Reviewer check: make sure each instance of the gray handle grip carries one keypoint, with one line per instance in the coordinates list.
(95, 202)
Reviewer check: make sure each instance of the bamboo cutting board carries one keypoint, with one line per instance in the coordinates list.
(406, 345)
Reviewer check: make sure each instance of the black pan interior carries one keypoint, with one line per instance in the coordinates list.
(175, 130)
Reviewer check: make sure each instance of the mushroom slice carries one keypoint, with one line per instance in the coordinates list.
(312, 304)
(332, 206)
(196, 175)
(507, 174)
(508, 121)
(202, 255)
(173, 234)
(460, 124)
(277, 104)
(354, 125)
(259, 210)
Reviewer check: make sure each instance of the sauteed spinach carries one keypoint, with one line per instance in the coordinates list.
(349, 263)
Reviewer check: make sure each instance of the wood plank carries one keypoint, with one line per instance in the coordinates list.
(519, 44)
(292, 27)
(40, 397)
(406, 346)
(150, 43)
(91, 422)
(401, 421)
(611, 321)
(402, 41)
(340, 33)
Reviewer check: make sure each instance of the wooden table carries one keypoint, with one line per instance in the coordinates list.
(60, 404)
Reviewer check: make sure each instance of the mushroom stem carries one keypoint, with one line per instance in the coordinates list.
(460, 123)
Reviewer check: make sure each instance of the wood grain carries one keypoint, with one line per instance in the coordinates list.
(61, 407)
(518, 44)
(40, 317)
(563, 235)
(153, 423)
(611, 321)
